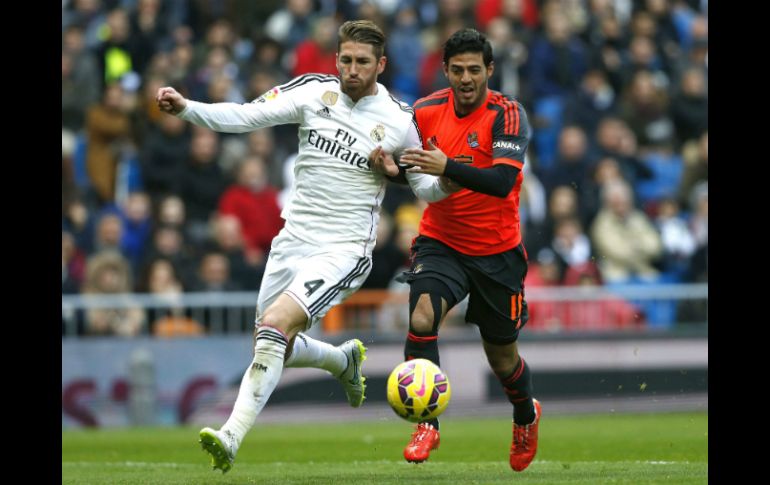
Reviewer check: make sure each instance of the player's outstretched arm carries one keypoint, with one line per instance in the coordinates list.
(233, 117)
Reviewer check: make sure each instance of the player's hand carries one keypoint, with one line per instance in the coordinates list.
(170, 101)
(448, 185)
(381, 162)
(432, 162)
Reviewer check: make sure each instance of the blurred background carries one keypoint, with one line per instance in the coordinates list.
(166, 226)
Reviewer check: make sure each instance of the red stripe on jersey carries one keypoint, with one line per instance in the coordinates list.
(516, 114)
(506, 114)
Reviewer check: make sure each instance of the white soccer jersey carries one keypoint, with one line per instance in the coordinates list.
(336, 197)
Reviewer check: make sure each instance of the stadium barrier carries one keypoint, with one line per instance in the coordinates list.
(551, 309)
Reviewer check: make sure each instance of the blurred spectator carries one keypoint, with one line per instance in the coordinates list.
(405, 54)
(318, 53)
(510, 54)
(699, 225)
(77, 220)
(291, 24)
(214, 274)
(533, 206)
(572, 163)
(626, 242)
(202, 182)
(163, 156)
(557, 62)
(615, 139)
(171, 212)
(136, 227)
(606, 169)
(255, 204)
(168, 243)
(108, 126)
(79, 78)
(571, 244)
(562, 203)
(432, 76)
(73, 263)
(696, 166)
(85, 14)
(690, 109)
(594, 100)
(109, 232)
(678, 242)
(108, 273)
(147, 31)
(245, 269)
(645, 108)
(544, 270)
(161, 280)
(117, 54)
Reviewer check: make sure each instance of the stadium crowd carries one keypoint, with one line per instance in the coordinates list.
(616, 180)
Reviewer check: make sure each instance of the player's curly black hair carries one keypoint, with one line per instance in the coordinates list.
(468, 40)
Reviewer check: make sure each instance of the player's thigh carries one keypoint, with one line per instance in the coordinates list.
(324, 280)
(496, 302)
(434, 261)
(280, 270)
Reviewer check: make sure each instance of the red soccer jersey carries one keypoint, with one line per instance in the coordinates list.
(497, 132)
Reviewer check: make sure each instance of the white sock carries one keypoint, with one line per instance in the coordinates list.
(309, 352)
(258, 382)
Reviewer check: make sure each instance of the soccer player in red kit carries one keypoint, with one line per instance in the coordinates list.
(470, 242)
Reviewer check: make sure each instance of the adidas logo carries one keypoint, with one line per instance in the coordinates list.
(324, 112)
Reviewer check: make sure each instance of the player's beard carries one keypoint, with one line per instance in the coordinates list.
(357, 90)
(476, 98)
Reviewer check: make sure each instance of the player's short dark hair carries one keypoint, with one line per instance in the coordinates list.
(468, 40)
(364, 32)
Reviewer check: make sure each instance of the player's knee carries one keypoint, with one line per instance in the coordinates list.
(501, 367)
(422, 319)
(501, 363)
(287, 322)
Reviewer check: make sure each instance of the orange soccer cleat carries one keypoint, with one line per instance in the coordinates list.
(524, 445)
(425, 439)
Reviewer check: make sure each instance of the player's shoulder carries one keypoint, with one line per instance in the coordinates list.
(504, 101)
(508, 114)
(402, 106)
(310, 81)
(434, 99)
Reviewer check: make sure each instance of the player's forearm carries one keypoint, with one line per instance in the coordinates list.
(496, 181)
(426, 187)
(223, 117)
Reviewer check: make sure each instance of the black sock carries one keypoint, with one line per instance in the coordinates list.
(422, 347)
(518, 388)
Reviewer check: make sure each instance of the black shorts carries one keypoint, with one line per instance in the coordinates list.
(495, 284)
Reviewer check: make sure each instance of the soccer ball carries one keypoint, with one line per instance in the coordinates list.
(418, 390)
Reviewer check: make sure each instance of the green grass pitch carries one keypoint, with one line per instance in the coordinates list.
(577, 449)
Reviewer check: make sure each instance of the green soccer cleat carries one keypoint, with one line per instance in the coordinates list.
(221, 446)
(351, 379)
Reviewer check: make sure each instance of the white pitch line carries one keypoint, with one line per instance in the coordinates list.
(376, 462)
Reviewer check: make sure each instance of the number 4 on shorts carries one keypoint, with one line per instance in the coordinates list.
(312, 286)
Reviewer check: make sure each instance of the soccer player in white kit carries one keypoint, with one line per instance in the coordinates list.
(324, 252)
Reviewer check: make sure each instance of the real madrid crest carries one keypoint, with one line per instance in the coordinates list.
(378, 133)
(329, 98)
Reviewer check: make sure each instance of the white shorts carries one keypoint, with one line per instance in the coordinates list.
(317, 278)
